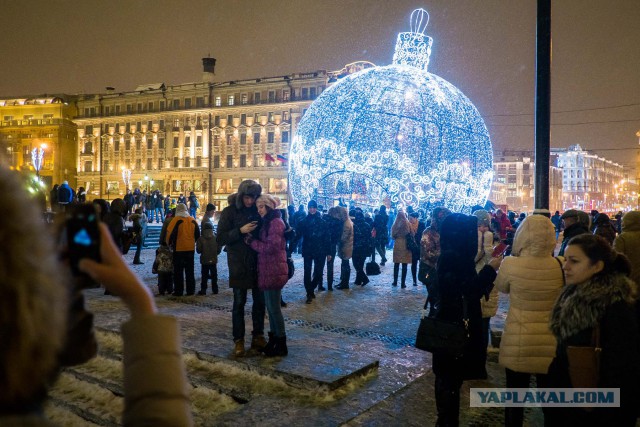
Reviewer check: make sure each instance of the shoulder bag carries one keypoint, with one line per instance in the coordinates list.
(441, 336)
(584, 362)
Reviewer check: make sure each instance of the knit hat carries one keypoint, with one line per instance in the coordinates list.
(181, 210)
(268, 200)
(483, 217)
(312, 204)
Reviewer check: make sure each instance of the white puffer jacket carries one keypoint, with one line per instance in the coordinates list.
(533, 279)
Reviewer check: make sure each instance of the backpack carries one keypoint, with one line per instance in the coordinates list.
(164, 261)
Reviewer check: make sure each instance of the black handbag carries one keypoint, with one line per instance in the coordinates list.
(372, 269)
(442, 336)
(291, 268)
(412, 245)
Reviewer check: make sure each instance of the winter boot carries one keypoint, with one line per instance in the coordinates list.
(258, 342)
(272, 343)
(239, 348)
(280, 349)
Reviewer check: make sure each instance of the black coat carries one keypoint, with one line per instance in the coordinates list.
(455, 281)
(380, 222)
(242, 260)
(334, 227)
(316, 238)
(362, 240)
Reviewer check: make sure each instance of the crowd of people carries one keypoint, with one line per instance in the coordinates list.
(555, 302)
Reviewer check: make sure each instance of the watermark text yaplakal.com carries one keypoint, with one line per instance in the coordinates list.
(550, 397)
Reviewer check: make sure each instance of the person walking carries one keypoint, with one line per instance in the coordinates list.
(362, 246)
(157, 206)
(597, 307)
(533, 279)
(194, 204)
(315, 248)
(556, 219)
(456, 295)
(207, 247)
(139, 220)
(273, 271)
(345, 245)
(380, 221)
(401, 253)
(182, 234)
(236, 220)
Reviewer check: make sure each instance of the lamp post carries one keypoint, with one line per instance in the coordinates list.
(37, 155)
(126, 177)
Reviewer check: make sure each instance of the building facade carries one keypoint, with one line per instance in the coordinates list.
(589, 181)
(204, 137)
(514, 178)
(40, 123)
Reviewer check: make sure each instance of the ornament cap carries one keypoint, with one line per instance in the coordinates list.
(413, 48)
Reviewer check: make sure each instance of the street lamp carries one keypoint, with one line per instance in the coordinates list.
(37, 155)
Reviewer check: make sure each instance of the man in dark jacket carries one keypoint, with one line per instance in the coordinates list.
(334, 228)
(574, 224)
(156, 204)
(129, 200)
(380, 221)
(66, 195)
(362, 246)
(315, 248)
(240, 218)
(295, 220)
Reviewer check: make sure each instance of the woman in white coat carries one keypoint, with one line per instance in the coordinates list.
(533, 279)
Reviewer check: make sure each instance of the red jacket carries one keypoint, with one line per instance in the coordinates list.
(273, 272)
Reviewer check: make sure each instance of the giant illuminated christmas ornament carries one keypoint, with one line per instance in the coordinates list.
(396, 133)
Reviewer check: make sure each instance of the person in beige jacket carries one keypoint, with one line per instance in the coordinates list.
(533, 278)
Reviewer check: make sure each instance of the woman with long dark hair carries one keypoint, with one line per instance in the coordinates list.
(458, 286)
(598, 295)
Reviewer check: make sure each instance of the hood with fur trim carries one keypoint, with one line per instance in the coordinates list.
(248, 187)
(580, 307)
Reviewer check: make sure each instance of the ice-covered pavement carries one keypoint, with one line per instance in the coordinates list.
(351, 359)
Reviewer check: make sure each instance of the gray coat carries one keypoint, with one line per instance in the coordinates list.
(207, 247)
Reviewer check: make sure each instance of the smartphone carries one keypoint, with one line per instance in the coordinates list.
(499, 250)
(82, 235)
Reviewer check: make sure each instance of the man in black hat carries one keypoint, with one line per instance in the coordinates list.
(236, 221)
(574, 225)
(315, 248)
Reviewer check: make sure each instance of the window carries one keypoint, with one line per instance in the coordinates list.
(150, 125)
(243, 119)
(199, 141)
(88, 148)
(272, 96)
(270, 117)
(105, 166)
(161, 143)
(286, 95)
(256, 118)
(229, 139)
(187, 141)
(229, 160)
(117, 109)
(88, 166)
(150, 106)
(138, 164)
(231, 100)
(285, 116)
(175, 162)
(88, 130)
(312, 93)
(256, 98)
(138, 144)
(149, 143)
(243, 139)
(8, 118)
(187, 103)
(216, 140)
(127, 127)
(243, 99)
(256, 138)
(149, 163)
(176, 104)
(230, 120)
(116, 145)
(127, 144)
(161, 125)
(107, 110)
(198, 161)
(216, 162)
(218, 101)
(138, 126)
(270, 137)
(176, 142)
(160, 161)
(161, 105)
(216, 121)
(285, 136)
(187, 162)
(256, 160)
(243, 160)
(129, 108)
(305, 93)
(140, 107)
(199, 102)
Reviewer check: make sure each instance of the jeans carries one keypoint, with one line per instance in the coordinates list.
(192, 212)
(318, 267)
(158, 215)
(209, 271)
(257, 312)
(345, 272)
(514, 416)
(183, 262)
(276, 321)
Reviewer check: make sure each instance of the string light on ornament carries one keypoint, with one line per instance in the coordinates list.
(401, 132)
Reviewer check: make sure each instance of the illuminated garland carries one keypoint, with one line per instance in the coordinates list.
(396, 133)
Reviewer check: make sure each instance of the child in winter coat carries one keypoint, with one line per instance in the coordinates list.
(207, 247)
(163, 267)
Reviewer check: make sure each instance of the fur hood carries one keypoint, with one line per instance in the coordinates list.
(535, 236)
(582, 306)
(248, 187)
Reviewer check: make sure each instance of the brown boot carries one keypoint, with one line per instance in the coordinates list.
(239, 348)
(258, 343)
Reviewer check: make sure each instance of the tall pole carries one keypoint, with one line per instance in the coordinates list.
(543, 105)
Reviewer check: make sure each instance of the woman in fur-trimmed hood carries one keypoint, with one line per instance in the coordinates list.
(598, 293)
